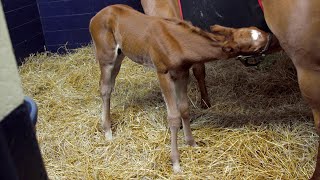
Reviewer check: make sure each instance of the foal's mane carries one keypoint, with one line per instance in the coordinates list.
(193, 29)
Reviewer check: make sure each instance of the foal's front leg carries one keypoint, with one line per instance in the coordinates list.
(199, 72)
(174, 117)
(183, 105)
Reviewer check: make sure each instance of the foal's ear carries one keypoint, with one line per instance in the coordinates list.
(230, 47)
(225, 31)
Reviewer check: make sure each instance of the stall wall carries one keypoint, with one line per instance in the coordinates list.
(65, 22)
(231, 13)
(38, 25)
(24, 26)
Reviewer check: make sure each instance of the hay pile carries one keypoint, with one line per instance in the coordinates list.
(258, 127)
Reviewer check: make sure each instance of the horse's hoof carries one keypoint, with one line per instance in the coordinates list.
(194, 144)
(191, 143)
(176, 168)
(108, 135)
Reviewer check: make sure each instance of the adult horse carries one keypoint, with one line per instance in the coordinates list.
(296, 24)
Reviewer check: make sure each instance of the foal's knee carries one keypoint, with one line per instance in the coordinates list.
(104, 91)
(184, 110)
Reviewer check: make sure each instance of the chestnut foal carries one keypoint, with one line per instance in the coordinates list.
(170, 9)
(171, 47)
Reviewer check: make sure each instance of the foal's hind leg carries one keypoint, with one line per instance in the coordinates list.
(200, 74)
(110, 63)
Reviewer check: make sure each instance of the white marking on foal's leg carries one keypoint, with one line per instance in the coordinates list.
(176, 168)
(108, 132)
(116, 51)
(108, 135)
(255, 34)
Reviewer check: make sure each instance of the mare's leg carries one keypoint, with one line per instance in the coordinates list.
(110, 63)
(174, 118)
(199, 72)
(287, 20)
(183, 105)
(309, 82)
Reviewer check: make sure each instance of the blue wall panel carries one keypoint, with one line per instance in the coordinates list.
(25, 14)
(100, 4)
(24, 26)
(68, 36)
(35, 24)
(66, 22)
(28, 47)
(49, 8)
(25, 32)
(9, 5)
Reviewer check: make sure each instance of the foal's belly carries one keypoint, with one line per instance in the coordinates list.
(141, 59)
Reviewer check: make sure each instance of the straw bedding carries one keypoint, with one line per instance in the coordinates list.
(258, 127)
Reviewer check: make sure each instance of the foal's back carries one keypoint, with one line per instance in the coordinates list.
(138, 35)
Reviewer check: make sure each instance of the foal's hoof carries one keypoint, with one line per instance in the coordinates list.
(176, 168)
(191, 142)
(194, 144)
(108, 135)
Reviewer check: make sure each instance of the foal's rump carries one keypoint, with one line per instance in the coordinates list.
(230, 13)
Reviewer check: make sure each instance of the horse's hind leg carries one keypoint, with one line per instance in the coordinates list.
(110, 63)
(109, 73)
(309, 82)
(199, 73)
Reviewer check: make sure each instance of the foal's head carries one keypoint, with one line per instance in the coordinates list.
(250, 40)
